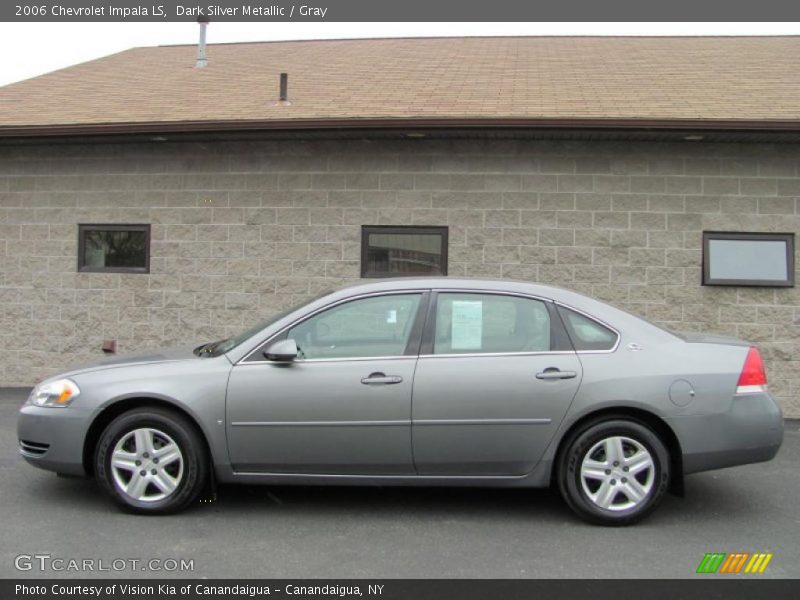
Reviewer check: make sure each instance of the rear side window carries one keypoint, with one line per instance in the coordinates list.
(586, 333)
(487, 323)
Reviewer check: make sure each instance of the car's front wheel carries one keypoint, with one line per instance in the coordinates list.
(151, 461)
(614, 472)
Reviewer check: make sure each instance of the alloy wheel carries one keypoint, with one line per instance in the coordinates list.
(147, 465)
(617, 473)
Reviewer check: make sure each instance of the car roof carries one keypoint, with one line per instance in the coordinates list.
(597, 309)
(415, 283)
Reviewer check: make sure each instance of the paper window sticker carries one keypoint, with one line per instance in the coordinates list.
(391, 316)
(467, 325)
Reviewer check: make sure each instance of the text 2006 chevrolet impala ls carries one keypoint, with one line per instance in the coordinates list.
(417, 382)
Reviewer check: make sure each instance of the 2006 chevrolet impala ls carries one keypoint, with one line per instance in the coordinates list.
(430, 381)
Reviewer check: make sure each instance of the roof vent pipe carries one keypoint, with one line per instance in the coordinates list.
(284, 96)
(201, 46)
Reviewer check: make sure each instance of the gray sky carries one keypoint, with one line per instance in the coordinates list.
(31, 49)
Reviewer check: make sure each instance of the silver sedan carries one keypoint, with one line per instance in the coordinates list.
(430, 381)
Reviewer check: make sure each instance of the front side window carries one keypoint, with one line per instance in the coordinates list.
(114, 248)
(368, 327)
(403, 251)
(587, 334)
(488, 323)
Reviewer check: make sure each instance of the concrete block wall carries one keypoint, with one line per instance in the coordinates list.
(241, 230)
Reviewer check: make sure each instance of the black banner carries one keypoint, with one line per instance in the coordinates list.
(407, 10)
(712, 588)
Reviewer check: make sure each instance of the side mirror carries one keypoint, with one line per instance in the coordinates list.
(283, 351)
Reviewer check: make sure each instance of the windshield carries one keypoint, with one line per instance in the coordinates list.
(226, 345)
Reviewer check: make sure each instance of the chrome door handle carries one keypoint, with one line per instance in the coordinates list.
(380, 378)
(556, 374)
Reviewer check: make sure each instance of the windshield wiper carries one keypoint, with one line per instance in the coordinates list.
(208, 348)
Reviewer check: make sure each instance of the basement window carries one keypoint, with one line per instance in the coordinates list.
(114, 248)
(748, 259)
(400, 251)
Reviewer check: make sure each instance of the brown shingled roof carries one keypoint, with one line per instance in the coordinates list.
(730, 81)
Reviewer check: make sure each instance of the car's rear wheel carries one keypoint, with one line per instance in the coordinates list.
(151, 461)
(614, 472)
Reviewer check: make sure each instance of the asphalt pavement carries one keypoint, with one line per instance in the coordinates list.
(325, 532)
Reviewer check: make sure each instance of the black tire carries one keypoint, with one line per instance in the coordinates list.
(194, 473)
(587, 439)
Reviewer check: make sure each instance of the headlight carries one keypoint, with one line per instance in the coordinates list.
(54, 393)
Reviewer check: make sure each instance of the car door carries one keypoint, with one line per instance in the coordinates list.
(344, 405)
(495, 377)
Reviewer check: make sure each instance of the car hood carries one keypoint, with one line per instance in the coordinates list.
(177, 353)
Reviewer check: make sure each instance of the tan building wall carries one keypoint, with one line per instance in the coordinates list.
(243, 229)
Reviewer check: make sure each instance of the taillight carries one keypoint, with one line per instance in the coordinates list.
(753, 377)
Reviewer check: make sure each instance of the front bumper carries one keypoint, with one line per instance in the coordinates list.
(750, 431)
(52, 438)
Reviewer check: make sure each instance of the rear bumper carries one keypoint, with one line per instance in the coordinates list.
(52, 438)
(750, 431)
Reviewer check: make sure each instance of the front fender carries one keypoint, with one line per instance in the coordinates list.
(199, 393)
